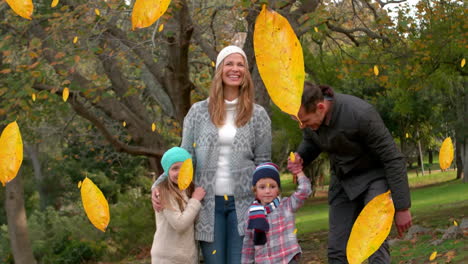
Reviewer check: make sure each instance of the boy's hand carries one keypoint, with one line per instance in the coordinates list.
(296, 166)
(199, 193)
(157, 206)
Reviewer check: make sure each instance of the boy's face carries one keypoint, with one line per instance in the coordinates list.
(266, 190)
(174, 171)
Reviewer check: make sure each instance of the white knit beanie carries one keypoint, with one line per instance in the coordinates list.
(228, 51)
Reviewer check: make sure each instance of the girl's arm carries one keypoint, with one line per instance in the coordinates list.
(296, 200)
(180, 221)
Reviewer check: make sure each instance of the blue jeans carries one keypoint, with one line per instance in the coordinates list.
(227, 241)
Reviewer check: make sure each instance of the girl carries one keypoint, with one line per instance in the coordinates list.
(174, 240)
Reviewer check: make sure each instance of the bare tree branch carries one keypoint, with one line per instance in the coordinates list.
(382, 3)
(115, 142)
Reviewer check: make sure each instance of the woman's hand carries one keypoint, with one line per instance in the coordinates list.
(199, 193)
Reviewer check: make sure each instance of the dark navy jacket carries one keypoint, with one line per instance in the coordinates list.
(360, 148)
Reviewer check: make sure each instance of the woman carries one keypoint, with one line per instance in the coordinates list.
(227, 136)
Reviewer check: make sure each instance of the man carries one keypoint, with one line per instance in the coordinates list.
(364, 162)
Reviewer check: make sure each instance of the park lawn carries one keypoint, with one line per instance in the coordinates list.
(313, 216)
(436, 203)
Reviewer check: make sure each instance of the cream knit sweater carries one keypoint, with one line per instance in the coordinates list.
(174, 240)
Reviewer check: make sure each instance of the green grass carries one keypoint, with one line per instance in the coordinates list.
(433, 178)
(313, 216)
(437, 201)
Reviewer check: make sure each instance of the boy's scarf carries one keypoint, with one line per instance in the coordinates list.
(258, 219)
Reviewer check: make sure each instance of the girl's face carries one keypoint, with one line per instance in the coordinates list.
(174, 171)
(233, 70)
(266, 190)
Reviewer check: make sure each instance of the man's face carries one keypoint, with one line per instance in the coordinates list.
(312, 120)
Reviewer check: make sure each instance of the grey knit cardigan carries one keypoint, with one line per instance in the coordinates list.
(251, 146)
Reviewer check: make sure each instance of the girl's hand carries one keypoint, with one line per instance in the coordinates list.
(199, 193)
(157, 206)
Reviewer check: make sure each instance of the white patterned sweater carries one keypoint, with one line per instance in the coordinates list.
(251, 146)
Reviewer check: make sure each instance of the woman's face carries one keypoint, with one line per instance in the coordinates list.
(174, 171)
(233, 70)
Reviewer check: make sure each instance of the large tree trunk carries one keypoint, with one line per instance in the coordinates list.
(465, 168)
(459, 148)
(17, 224)
(33, 153)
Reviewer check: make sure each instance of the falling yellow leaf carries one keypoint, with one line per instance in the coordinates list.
(54, 3)
(124, 124)
(153, 127)
(213, 64)
(97, 12)
(455, 223)
(194, 144)
(463, 61)
(371, 228)
(226, 197)
(75, 39)
(33, 97)
(292, 157)
(146, 12)
(161, 27)
(315, 29)
(376, 70)
(95, 205)
(23, 8)
(214, 252)
(433, 256)
(407, 135)
(185, 174)
(11, 152)
(280, 61)
(295, 231)
(446, 154)
(65, 94)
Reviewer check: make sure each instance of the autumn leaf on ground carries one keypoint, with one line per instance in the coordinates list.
(146, 12)
(54, 3)
(446, 154)
(185, 174)
(11, 152)
(23, 8)
(376, 70)
(95, 204)
(433, 256)
(371, 228)
(280, 61)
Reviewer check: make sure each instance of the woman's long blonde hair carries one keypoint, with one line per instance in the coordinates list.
(245, 104)
(169, 190)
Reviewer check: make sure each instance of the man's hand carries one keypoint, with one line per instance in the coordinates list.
(402, 221)
(157, 206)
(296, 166)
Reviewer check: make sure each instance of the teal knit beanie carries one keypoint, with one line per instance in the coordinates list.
(172, 156)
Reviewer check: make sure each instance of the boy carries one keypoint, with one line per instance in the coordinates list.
(271, 232)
